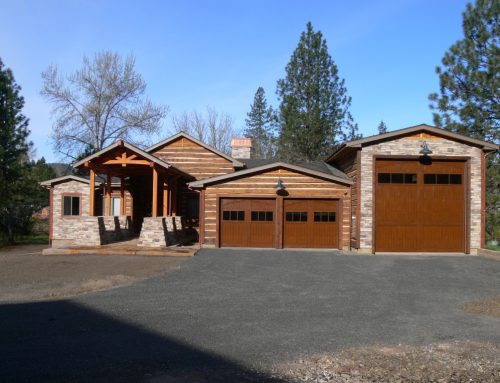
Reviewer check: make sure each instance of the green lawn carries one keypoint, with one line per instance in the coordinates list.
(493, 247)
(31, 239)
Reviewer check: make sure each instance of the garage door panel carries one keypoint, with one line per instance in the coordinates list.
(311, 223)
(427, 214)
(246, 222)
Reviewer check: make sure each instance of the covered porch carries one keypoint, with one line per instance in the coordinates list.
(132, 193)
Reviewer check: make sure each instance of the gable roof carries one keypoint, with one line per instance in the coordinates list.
(236, 163)
(301, 169)
(67, 178)
(487, 146)
(135, 149)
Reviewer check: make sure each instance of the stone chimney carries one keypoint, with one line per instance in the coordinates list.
(241, 147)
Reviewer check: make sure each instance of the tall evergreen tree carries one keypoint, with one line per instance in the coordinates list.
(314, 105)
(259, 126)
(14, 149)
(382, 127)
(468, 101)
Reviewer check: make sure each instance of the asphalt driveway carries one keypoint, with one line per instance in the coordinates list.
(229, 312)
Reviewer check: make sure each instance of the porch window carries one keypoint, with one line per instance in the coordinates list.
(71, 205)
(115, 206)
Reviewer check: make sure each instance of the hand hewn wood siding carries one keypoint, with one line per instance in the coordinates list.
(350, 164)
(194, 159)
(263, 185)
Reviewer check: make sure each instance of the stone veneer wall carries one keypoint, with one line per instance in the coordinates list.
(83, 229)
(160, 231)
(411, 146)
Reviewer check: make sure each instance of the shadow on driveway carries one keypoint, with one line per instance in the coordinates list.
(63, 341)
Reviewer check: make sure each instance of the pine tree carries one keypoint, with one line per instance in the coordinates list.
(14, 149)
(468, 101)
(382, 127)
(259, 126)
(314, 106)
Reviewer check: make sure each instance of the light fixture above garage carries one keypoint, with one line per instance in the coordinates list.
(425, 149)
(279, 186)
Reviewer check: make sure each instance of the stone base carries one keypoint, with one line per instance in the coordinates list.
(92, 231)
(160, 231)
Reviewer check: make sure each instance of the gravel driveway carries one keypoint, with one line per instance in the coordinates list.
(229, 312)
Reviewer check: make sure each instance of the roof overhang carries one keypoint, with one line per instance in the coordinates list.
(367, 141)
(258, 169)
(236, 163)
(53, 181)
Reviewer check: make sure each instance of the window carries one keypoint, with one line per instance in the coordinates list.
(262, 215)
(397, 178)
(324, 216)
(443, 179)
(115, 206)
(233, 215)
(296, 216)
(71, 205)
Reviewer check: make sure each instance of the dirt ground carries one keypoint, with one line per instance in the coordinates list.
(441, 362)
(27, 275)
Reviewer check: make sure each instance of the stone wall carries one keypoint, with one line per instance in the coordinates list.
(84, 230)
(411, 146)
(160, 231)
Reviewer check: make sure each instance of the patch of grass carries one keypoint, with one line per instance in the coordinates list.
(493, 247)
(32, 239)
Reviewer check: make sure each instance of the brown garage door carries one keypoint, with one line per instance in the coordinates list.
(420, 206)
(310, 223)
(247, 222)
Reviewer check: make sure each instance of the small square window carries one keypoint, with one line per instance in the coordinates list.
(455, 179)
(289, 216)
(71, 205)
(384, 178)
(269, 215)
(443, 179)
(397, 178)
(234, 215)
(303, 216)
(317, 216)
(331, 216)
(225, 215)
(429, 178)
(241, 216)
(410, 178)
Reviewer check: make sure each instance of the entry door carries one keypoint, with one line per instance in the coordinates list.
(310, 223)
(247, 222)
(420, 206)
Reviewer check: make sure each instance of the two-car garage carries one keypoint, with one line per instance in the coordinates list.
(274, 222)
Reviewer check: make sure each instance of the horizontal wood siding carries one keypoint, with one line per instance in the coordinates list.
(263, 185)
(349, 164)
(194, 159)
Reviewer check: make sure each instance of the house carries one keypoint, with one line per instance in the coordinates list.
(419, 189)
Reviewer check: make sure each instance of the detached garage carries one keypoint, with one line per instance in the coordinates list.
(276, 205)
(419, 189)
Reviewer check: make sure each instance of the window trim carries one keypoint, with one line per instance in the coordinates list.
(79, 195)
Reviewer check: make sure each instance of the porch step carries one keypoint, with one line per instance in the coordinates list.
(149, 252)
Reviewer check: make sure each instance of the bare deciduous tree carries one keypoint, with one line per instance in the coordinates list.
(215, 129)
(100, 103)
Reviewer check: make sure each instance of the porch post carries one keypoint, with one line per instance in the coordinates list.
(154, 208)
(122, 197)
(174, 197)
(108, 195)
(166, 193)
(92, 192)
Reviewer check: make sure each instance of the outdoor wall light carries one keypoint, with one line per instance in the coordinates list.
(279, 186)
(425, 149)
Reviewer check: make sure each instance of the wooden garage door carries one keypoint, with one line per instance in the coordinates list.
(247, 222)
(420, 206)
(310, 223)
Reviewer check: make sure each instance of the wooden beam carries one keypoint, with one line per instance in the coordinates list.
(154, 208)
(174, 197)
(108, 195)
(122, 197)
(166, 194)
(92, 193)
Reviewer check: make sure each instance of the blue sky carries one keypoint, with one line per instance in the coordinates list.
(198, 53)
